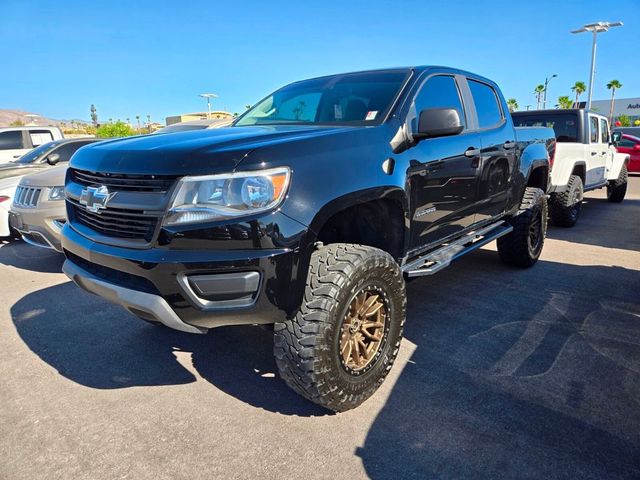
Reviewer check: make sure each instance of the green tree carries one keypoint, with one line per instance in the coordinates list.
(565, 102)
(579, 88)
(624, 120)
(118, 129)
(613, 85)
(512, 103)
(538, 91)
(17, 123)
(94, 115)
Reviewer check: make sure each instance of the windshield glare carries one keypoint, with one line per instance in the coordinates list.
(351, 99)
(36, 154)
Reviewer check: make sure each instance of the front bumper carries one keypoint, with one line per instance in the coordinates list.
(39, 227)
(169, 285)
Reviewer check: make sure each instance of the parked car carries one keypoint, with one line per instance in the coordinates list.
(37, 160)
(630, 145)
(196, 125)
(308, 213)
(635, 131)
(38, 212)
(16, 141)
(585, 159)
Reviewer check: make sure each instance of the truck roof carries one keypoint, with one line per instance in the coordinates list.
(558, 111)
(415, 68)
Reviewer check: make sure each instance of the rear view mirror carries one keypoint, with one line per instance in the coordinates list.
(616, 137)
(53, 159)
(438, 122)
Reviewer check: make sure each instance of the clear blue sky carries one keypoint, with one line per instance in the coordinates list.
(154, 57)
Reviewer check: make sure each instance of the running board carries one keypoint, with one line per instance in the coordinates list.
(438, 259)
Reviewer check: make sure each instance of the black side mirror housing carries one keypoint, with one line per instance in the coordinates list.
(438, 122)
(616, 137)
(53, 159)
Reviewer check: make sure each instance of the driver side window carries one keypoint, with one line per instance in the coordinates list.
(440, 91)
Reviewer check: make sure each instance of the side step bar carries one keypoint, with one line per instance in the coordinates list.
(436, 260)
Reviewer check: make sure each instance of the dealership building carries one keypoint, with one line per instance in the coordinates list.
(621, 106)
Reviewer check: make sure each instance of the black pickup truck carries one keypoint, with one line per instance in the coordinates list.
(309, 213)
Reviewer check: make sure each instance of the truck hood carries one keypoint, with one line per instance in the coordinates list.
(190, 153)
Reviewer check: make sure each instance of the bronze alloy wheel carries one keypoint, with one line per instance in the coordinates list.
(363, 330)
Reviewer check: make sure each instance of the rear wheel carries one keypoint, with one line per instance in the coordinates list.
(341, 344)
(617, 189)
(522, 247)
(565, 207)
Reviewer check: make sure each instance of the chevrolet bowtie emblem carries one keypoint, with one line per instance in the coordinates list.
(96, 198)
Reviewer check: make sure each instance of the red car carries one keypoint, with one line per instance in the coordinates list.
(631, 145)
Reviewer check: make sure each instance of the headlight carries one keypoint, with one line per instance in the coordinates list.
(56, 193)
(218, 197)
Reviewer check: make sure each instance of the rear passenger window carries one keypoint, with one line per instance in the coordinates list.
(440, 91)
(487, 105)
(593, 122)
(604, 131)
(11, 140)
(39, 137)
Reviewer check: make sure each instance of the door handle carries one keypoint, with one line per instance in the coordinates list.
(594, 153)
(472, 152)
(508, 145)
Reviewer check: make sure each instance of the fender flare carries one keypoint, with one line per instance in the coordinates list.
(619, 159)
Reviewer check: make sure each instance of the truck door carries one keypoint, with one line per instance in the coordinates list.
(608, 150)
(596, 154)
(498, 152)
(442, 171)
(13, 144)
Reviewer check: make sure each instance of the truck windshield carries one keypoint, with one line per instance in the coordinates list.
(564, 125)
(349, 99)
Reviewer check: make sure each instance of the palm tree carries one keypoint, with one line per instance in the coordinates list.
(538, 91)
(565, 102)
(579, 88)
(512, 103)
(138, 120)
(613, 85)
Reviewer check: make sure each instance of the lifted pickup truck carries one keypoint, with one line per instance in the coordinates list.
(585, 159)
(309, 213)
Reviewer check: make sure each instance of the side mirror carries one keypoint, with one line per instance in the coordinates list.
(636, 146)
(438, 122)
(53, 159)
(616, 137)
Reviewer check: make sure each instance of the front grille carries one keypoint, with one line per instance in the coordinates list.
(116, 222)
(26, 196)
(118, 182)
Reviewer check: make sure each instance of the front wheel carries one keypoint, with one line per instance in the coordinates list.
(341, 344)
(522, 247)
(617, 189)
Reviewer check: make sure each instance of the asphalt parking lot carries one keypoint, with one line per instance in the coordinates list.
(502, 374)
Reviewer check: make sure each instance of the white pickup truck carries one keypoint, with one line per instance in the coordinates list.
(16, 141)
(585, 159)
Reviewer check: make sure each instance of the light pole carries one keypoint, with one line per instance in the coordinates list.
(208, 96)
(595, 29)
(546, 82)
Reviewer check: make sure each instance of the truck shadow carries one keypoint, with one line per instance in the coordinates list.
(516, 374)
(599, 220)
(17, 253)
(100, 345)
